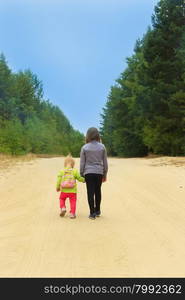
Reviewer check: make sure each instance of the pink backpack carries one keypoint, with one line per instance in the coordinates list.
(68, 180)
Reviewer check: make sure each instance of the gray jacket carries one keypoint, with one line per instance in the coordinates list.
(93, 159)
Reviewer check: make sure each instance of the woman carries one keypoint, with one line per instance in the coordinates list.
(94, 167)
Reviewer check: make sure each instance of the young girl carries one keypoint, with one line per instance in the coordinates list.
(94, 166)
(66, 183)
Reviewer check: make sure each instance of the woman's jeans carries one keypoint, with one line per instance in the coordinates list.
(93, 183)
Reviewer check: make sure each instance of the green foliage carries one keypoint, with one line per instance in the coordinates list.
(11, 137)
(28, 123)
(145, 110)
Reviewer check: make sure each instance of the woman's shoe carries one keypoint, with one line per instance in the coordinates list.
(98, 214)
(92, 216)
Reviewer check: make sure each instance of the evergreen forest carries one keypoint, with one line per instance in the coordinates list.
(145, 108)
(28, 122)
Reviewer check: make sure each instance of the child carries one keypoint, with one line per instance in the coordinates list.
(66, 183)
(94, 166)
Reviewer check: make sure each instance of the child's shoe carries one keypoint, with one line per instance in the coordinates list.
(63, 212)
(72, 216)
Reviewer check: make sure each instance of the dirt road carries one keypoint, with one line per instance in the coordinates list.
(141, 232)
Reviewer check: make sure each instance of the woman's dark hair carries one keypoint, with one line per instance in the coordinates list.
(92, 135)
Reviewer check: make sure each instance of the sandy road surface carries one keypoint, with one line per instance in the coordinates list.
(141, 232)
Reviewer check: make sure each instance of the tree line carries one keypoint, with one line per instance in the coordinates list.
(28, 122)
(145, 109)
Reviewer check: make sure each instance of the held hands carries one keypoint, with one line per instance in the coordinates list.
(104, 179)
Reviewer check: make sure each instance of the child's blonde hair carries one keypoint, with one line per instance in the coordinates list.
(69, 161)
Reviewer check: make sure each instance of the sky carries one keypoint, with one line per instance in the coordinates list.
(77, 48)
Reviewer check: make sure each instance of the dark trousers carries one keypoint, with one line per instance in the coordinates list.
(93, 183)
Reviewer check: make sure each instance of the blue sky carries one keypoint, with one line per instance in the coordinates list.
(77, 48)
